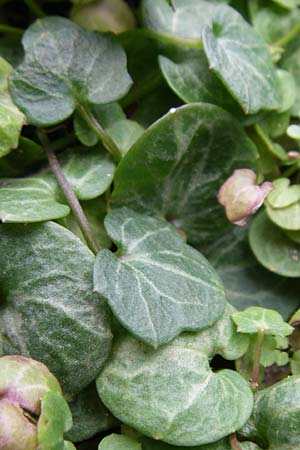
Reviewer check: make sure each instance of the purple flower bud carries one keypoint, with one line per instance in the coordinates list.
(241, 196)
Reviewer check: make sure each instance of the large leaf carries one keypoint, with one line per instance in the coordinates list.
(273, 249)
(65, 66)
(11, 118)
(246, 282)
(242, 61)
(188, 74)
(172, 394)
(48, 309)
(156, 285)
(35, 199)
(178, 165)
(277, 408)
(185, 21)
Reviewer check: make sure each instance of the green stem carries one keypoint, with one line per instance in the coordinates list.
(256, 363)
(291, 170)
(69, 193)
(288, 37)
(170, 39)
(138, 92)
(234, 443)
(104, 137)
(8, 29)
(35, 8)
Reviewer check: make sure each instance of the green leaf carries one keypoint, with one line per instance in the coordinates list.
(30, 200)
(177, 166)
(290, 62)
(289, 4)
(48, 309)
(156, 285)
(89, 416)
(295, 363)
(35, 199)
(272, 247)
(185, 21)
(283, 194)
(287, 218)
(255, 319)
(273, 23)
(277, 408)
(246, 282)
(65, 66)
(242, 61)
(119, 442)
(11, 118)
(55, 419)
(187, 404)
(150, 444)
(188, 74)
(125, 133)
(288, 89)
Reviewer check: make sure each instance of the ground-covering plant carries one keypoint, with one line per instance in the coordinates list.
(150, 225)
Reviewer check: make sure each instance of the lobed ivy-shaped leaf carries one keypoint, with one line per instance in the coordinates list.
(255, 319)
(36, 199)
(156, 285)
(64, 67)
(177, 166)
(171, 394)
(48, 309)
(11, 118)
(241, 59)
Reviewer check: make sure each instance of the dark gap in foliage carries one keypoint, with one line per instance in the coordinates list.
(218, 363)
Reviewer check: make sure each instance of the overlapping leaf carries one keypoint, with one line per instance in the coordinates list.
(156, 285)
(48, 310)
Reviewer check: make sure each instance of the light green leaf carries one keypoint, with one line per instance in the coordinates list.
(293, 132)
(295, 363)
(89, 416)
(283, 194)
(288, 89)
(107, 115)
(255, 319)
(30, 200)
(287, 218)
(246, 282)
(150, 444)
(275, 124)
(277, 408)
(35, 199)
(291, 62)
(48, 309)
(11, 118)
(187, 404)
(125, 133)
(289, 4)
(242, 61)
(177, 166)
(156, 285)
(119, 442)
(55, 419)
(65, 66)
(273, 249)
(188, 74)
(185, 21)
(273, 23)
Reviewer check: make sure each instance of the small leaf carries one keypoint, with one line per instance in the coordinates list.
(187, 403)
(119, 442)
(295, 363)
(48, 309)
(242, 61)
(54, 421)
(65, 65)
(255, 319)
(287, 218)
(283, 194)
(156, 285)
(11, 118)
(272, 247)
(293, 132)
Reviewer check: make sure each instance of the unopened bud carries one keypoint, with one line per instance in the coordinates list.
(241, 196)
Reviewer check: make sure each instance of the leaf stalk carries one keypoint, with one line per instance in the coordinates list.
(256, 363)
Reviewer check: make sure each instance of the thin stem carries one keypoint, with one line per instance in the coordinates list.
(288, 37)
(234, 443)
(69, 193)
(256, 362)
(8, 29)
(35, 8)
(104, 137)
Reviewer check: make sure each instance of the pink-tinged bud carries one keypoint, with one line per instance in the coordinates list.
(241, 196)
(293, 154)
(16, 431)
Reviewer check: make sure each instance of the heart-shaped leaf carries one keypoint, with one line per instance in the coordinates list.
(11, 118)
(187, 404)
(177, 166)
(48, 310)
(255, 319)
(242, 61)
(156, 285)
(273, 249)
(65, 66)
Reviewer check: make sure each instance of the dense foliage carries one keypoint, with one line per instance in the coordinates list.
(146, 303)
